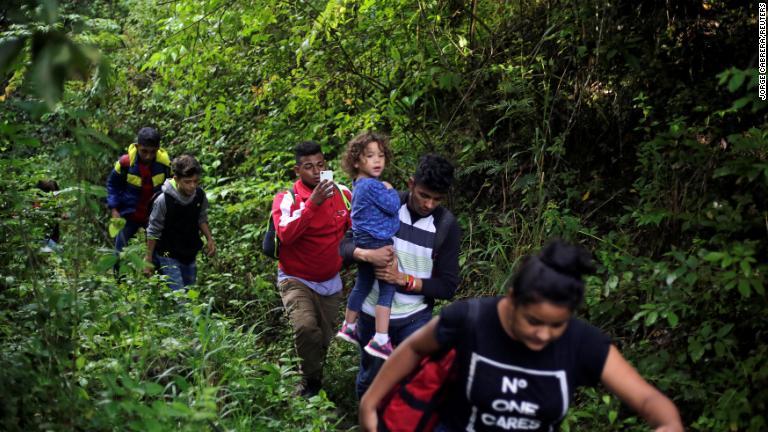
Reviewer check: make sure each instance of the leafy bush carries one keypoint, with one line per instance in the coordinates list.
(631, 127)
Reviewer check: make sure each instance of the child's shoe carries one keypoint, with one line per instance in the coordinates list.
(348, 334)
(377, 350)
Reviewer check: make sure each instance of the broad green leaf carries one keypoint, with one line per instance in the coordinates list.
(719, 348)
(612, 416)
(736, 80)
(105, 263)
(672, 319)
(714, 256)
(695, 350)
(724, 330)
(153, 389)
(746, 269)
(741, 103)
(744, 287)
(651, 318)
(757, 284)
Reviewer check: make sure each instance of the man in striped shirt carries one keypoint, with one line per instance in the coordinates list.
(426, 248)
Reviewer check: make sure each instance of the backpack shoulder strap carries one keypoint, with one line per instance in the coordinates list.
(152, 200)
(403, 196)
(471, 323)
(124, 163)
(468, 341)
(446, 220)
(344, 197)
(199, 197)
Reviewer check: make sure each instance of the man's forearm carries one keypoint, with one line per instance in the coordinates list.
(359, 255)
(438, 288)
(206, 231)
(151, 243)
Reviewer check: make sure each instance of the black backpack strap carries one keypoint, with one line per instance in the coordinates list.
(441, 230)
(446, 220)
(403, 196)
(152, 200)
(471, 322)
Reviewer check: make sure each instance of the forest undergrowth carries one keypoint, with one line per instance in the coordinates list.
(633, 128)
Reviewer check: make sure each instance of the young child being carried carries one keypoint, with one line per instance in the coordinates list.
(179, 214)
(375, 220)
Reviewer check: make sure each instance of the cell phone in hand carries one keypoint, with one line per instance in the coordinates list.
(326, 175)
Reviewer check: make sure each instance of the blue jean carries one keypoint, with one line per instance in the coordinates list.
(126, 234)
(49, 245)
(122, 239)
(365, 276)
(178, 273)
(399, 330)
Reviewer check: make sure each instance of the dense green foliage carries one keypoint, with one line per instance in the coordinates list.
(631, 127)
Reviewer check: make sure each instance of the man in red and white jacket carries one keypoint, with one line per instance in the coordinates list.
(310, 221)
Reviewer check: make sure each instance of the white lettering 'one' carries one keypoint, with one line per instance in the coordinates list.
(524, 407)
(508, 385)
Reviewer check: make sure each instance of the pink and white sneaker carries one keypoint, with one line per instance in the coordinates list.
(348, 334)
(377, 350)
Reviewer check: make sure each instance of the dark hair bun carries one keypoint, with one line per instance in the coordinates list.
(568, 259)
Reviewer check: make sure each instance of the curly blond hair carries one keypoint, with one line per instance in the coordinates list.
(356, 146)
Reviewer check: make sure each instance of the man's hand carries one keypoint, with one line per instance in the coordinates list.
(210, 248)
(389, 273)
(387, 185)
(115, 213)
(378, 257)
(322, 192)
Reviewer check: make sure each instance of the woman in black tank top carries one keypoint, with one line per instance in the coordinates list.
(523, 355)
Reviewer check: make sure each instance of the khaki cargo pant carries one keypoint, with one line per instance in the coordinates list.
(314, 318)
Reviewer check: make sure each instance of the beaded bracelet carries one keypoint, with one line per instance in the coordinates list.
(410, 283)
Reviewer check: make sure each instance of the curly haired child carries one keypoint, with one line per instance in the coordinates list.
(375, 206)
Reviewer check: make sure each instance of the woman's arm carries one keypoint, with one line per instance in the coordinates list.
(624, 381)
(402, 361)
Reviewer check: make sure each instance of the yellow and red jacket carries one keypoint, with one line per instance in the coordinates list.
(124, 182)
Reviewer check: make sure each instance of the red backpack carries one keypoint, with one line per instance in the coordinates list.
(412, 405)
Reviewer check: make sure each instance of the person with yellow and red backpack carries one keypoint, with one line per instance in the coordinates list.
(135, 178)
